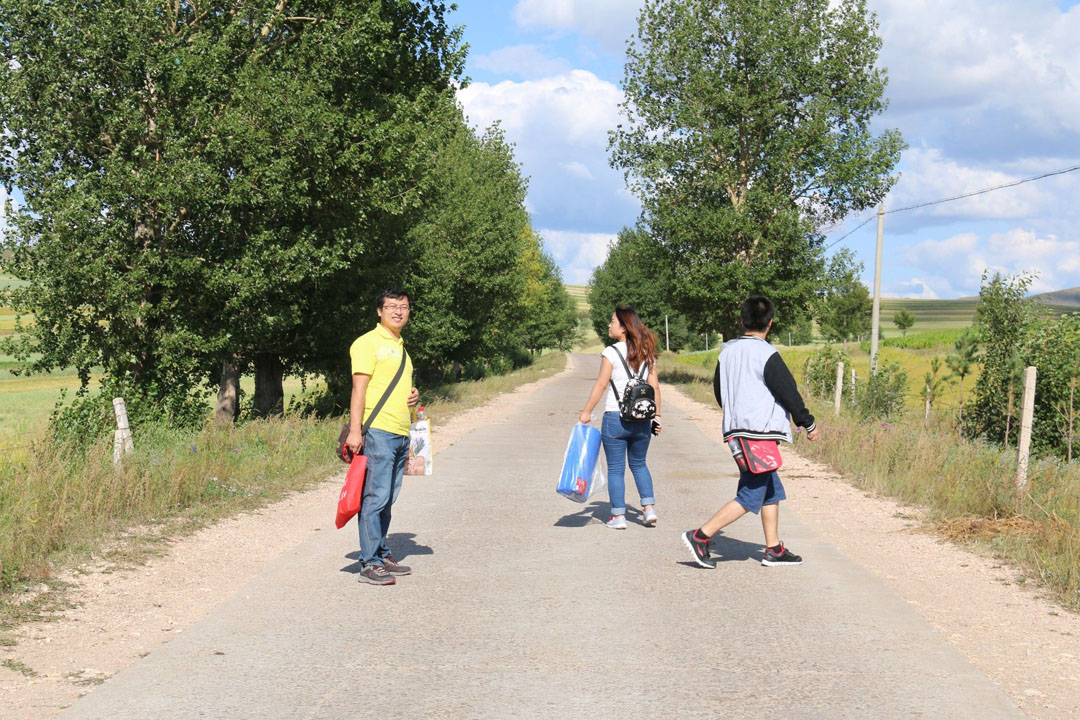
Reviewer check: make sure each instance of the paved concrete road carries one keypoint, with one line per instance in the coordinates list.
(523, 605)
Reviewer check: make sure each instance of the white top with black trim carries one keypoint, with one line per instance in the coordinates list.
(757, 391)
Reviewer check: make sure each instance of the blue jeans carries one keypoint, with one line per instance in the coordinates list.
(626, 443)
(386, 454)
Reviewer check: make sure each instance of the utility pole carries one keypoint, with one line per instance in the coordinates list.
(667, 338)
(875, 318)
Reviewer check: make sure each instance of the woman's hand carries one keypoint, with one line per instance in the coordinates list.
(657, 425)
(585, 417)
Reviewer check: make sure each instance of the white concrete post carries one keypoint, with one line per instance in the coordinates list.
(1027, 412)
(839, 387)
(122, 442)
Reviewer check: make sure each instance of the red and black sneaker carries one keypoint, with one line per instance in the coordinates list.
(376, 575)
(776, 557)
(699, 549)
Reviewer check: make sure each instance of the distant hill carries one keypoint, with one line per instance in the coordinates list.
(1063, 299)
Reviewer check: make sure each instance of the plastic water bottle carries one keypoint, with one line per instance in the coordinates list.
(420, 414)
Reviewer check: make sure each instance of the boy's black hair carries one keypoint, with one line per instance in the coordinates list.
(394, 293)
(756, 313)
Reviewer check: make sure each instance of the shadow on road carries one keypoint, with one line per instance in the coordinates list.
(402, 544)
(725, 549)
(585, 515)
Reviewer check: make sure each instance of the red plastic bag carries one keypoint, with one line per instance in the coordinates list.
(352, 492)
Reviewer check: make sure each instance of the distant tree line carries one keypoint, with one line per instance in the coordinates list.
(217, 189)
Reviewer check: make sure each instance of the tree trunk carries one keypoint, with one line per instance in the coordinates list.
(228, 397)
(269, 393)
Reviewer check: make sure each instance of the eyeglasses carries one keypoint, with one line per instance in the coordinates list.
(395, 308)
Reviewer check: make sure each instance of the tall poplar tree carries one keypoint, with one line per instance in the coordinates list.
(748, 129)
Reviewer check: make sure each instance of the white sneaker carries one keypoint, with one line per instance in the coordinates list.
(650, 517)
(617, 522)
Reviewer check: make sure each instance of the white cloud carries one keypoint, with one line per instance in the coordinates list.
(984, 55)
(915, 288)
(559, 126)
(579, 170)
(525, 61)
(610, 22)
(956, 264)
(576, 103)
(577, 253)
(928, 175)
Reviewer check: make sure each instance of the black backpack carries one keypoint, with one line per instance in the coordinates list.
(638, 401)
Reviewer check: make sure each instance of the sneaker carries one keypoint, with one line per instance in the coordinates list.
(394, 567)
(617, 522)
(699, 549)
(376, 575)
(784, 557)
(650, 517)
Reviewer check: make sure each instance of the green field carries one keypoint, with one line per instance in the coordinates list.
(930, 315)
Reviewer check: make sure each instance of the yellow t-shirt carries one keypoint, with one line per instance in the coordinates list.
(378, 354)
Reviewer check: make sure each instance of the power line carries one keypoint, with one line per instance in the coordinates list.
(1014, 183)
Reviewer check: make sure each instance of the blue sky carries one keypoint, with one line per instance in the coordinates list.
(984, 91)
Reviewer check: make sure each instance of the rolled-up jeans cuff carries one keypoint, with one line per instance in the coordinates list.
(648, 501)
(618, 511)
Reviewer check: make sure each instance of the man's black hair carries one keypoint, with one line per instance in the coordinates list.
(756, 313)
(394, 293)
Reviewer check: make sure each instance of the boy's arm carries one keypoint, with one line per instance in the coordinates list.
(716, 385)
(782, 385)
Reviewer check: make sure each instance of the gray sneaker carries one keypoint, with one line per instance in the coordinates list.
(394, 567)
(376, 575)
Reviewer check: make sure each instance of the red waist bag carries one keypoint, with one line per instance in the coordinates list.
(352, 492)
(756, 456)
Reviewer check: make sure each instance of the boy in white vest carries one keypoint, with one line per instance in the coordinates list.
(758, 394)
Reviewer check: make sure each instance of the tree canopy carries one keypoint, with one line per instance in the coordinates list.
(748, 129)
(215, 188)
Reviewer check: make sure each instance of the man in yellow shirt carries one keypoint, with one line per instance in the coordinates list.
(376, 358)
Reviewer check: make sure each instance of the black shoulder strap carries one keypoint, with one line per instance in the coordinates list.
(626, 368)
(386, 395)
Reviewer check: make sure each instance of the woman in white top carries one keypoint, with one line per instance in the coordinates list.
(626, 442)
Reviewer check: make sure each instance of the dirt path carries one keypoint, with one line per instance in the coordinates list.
(121, 616)
(1020, 640)
(1011, 631)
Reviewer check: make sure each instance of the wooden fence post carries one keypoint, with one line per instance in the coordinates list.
(839, 388)
(852, 384)
(1027, 411)
(122, 443)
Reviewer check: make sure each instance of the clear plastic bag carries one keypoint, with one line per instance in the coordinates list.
(581, 476)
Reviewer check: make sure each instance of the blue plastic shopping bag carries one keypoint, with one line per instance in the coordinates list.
(580, 476)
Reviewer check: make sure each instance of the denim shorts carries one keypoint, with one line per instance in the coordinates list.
(757, 489)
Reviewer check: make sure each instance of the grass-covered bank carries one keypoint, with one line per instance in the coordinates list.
(57, 507)
(966, 486)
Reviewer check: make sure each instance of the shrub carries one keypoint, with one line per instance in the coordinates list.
(882, 394)
(819, 373)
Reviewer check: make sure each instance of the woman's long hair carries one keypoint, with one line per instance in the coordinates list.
(640, 340)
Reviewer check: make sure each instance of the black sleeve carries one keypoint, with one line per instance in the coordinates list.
(782, 385)
(716, 386)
